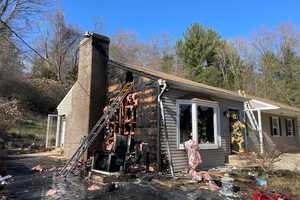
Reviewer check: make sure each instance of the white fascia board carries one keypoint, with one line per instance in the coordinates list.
(264, 105)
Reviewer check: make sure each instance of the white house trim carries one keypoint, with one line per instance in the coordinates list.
(217, 126)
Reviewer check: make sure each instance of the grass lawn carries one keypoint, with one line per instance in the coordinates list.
(32, 127)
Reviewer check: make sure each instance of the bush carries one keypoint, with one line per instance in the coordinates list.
(38, 95)
(265, 161)
(9, 114)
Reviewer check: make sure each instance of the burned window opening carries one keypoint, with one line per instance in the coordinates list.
(129, 77)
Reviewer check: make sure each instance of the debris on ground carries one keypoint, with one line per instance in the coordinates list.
(37, 168)
(227, 186)
(110, 187)
(205, 176)
(261, 182)
(148, 185)
(51, 192)
(4, 178)
(213, 187)
(52, 169)
(93, 188)
(3, 181)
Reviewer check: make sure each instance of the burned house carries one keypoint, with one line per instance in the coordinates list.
(154, 119)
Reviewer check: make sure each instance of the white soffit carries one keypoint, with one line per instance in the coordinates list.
(260, 105)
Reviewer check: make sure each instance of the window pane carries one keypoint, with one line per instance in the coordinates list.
(275, 125)
(185, 122)
(289, 127)
(205, 125)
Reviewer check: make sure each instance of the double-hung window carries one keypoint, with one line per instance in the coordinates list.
(199, 119)
(290, 127)
(275, 126)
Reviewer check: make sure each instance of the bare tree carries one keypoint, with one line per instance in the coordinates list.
(18, 13)
(60, 47)
(157, 53)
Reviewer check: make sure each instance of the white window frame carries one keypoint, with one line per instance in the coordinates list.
(278, 128)
(194, 103)
(292, 128)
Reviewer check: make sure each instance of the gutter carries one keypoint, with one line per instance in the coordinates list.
(163, 86)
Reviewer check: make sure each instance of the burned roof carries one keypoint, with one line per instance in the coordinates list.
(180, 83)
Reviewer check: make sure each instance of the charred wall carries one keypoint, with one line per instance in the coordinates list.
(146, 111)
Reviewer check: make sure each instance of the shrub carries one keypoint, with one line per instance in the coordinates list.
(9, 114)
(38, 95)
(264, 161)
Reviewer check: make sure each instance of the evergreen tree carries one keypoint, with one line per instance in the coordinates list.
(197, 49)
(167, 63)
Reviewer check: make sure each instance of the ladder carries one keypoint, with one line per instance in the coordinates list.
(86, 142)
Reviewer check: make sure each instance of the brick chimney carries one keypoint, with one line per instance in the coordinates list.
(89, 91)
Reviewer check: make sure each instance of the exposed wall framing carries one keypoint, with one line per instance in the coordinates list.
(137, 115)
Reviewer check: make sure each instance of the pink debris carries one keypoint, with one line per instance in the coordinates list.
(213, 187)
(194, 158)
(206, 176)
(93, 188)
(37, 168)
(51, 192)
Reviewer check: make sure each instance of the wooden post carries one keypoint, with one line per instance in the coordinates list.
(261, 142)
(47, 133)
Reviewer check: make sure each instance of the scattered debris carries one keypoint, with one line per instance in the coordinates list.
(110, 187)
(262, 195)
(213, 187)
(3, 181)
(51, 193)
(52, 169)
(3, 198)
(261, 182)
(4, 178)
(205, 176)
(93, 188)
(37, 168)
(227, 186)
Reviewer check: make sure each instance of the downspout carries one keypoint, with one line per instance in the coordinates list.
(163, 86)
(158, 117)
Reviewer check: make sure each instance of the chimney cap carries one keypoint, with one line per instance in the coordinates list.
(103, 38)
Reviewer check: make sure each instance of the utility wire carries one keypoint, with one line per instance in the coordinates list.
(24, 41)
(17, 48)
(34, 50)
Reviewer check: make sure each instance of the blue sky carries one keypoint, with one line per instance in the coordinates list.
(231, 18)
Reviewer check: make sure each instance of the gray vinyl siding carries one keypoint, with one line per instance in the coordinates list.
(284, 143)
(298, 128)
(210, 157)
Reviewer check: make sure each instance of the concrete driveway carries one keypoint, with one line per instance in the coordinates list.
(289, 161)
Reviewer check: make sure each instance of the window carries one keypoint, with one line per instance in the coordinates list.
(275, 126)
(290, 131)
(199, 119)
(185, 122)
(205, 122)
